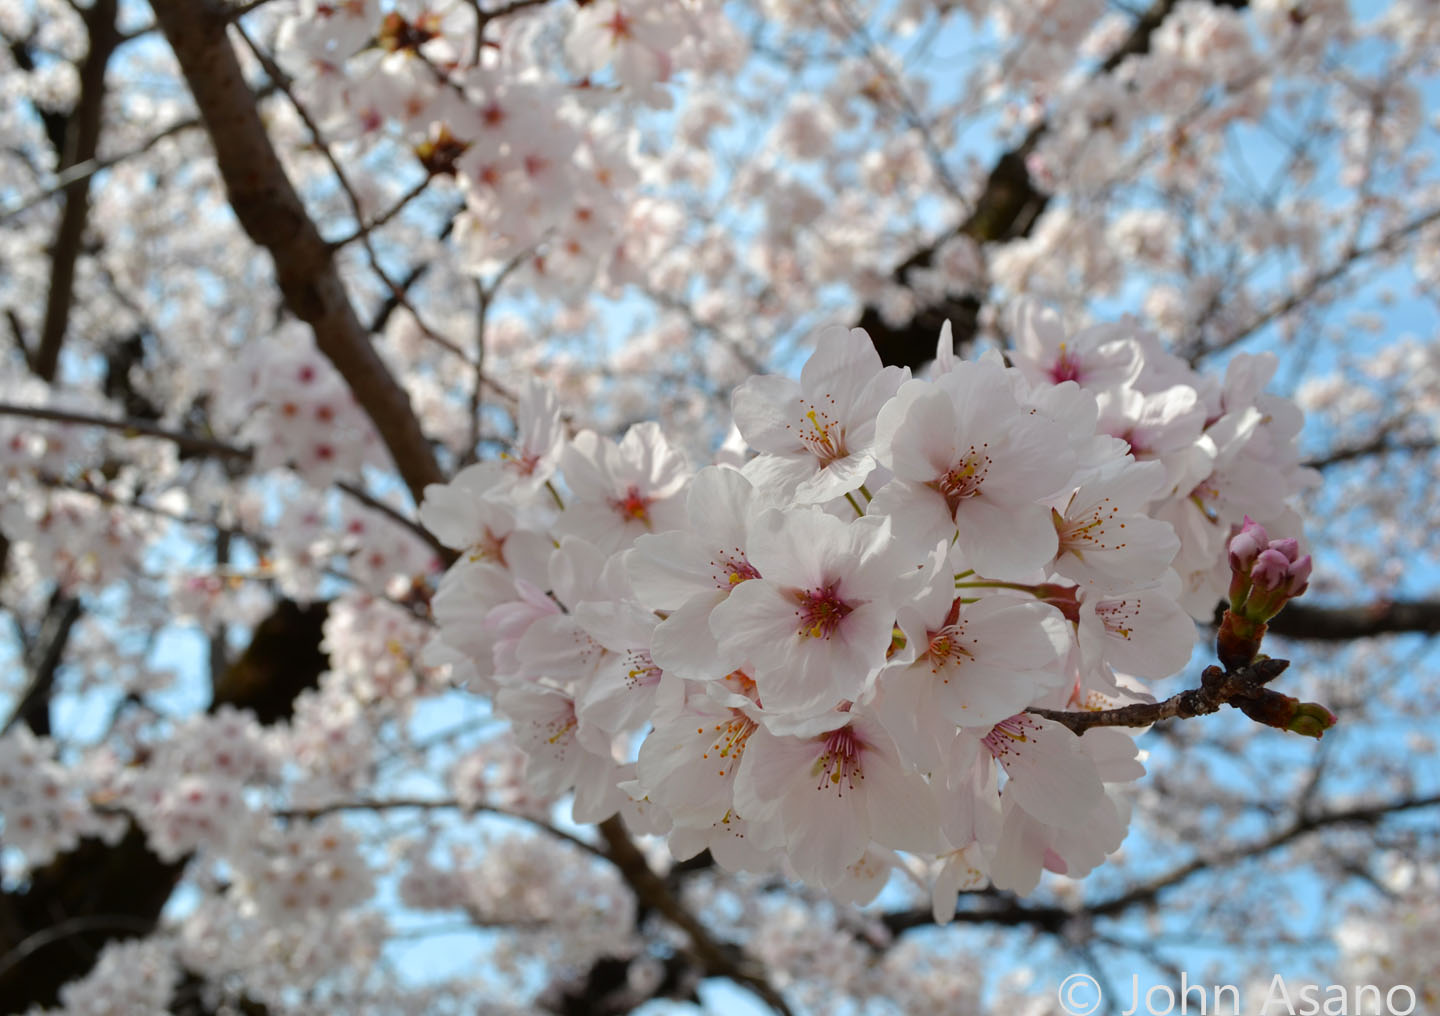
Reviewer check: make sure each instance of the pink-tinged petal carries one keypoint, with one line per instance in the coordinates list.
(770, 767)
(918, 513)
(736, 844)
(1050, 775)
(779, 475)
(842, 365)
(835, 479)
(581, 464)
(817, 673)
(823, 837)
(915, 433)
(1115, 755)
(968, 796)
(756, 621)
(560, 649)
(900, 804)
(684, 645)
(766, 409)
(865, 878)
(793, 548)
(904, 706)
(1019, 856)
(967, 870)
(1144, 633)
(688, 765)
(645, 458)
(719, 503)
(1005, 540)
(666, 569)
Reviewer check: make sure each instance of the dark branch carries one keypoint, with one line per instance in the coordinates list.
(100, 892)
(1006, 909)
(1381, 444)
(1217, 688)
(43, 658)
(271, 212)
(1357, 621)
(82, 141)
(194, 443)
(653, 894)
(1006, 209)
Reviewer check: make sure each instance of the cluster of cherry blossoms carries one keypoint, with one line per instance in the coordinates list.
(542, 172)
(824, 652)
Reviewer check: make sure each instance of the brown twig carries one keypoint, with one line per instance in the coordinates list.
(434, 804)
(1217, 688)
(82, 141)
(195, 443)
(650, 889)
(271, 212)
(396, 516)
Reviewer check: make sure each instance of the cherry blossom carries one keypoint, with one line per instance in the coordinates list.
(376, 577)
(818, 437)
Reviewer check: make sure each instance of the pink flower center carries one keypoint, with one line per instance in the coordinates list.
(948, 646)
(619, 26)
(732, 569)
(1088, 529)
(742, 684)
(558, 729)
(525, 464)
(634, 505)
(1065, 368)
(838, 767)
(730, 739)
(823, 435)
(821, 611)
(642, 671)
(1006, 736)
(965, 478)
(1119, 616)
(489, 548)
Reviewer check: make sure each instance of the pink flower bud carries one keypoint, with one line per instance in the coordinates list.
(1289, 546)
(1299, 577)
(1246, 545)
(1271, 570)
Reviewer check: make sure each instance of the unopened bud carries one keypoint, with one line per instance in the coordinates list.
(1270, 570)
(1289, 546)
(1264, 573)
(1311, 719)
(1246, 545)
(1286, 713)
(1299, 579)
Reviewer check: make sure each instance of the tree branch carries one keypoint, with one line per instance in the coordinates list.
(82, 141)
(1217, 688)
(1356, 621)
(46, 652)
(652, 892)
(1011, 911)
(1007, 208)
(73, 175)
(272, 213)
(1380, 444)
(193, 443)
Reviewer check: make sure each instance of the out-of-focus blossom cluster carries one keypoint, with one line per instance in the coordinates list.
(1390, 945)
(43, 802)
(545, 173)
